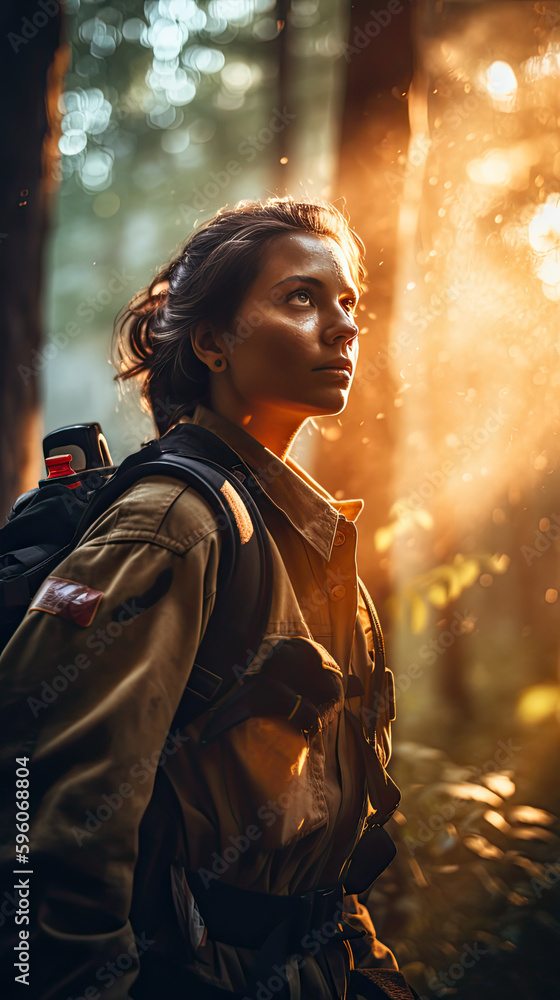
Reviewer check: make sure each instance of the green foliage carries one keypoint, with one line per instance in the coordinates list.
(153, 80)
(471, 904)
(440, 586)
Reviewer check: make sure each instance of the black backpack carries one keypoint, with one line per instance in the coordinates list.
(46, 524)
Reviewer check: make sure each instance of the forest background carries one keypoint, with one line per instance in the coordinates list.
(435, 126)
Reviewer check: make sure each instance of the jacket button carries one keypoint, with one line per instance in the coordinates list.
(337, 592)
(339, 538)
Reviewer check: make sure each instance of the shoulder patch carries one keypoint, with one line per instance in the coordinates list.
(68, 599)
(239, 510)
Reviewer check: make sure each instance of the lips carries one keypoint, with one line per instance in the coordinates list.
(339, 364)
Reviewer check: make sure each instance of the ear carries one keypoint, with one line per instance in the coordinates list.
(205, 341)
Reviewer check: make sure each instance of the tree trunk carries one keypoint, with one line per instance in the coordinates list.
(31, 72)
(375, 133)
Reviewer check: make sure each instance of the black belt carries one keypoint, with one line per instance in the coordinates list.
(279, 928)
(246, 919)
(276, 927)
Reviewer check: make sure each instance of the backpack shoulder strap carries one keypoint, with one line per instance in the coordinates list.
(382, 691)
(244, 592)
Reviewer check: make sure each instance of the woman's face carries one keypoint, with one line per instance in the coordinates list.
(294, 332)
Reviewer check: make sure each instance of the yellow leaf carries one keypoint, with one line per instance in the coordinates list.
(517, 900)
(424, 519)
(437, 594)
(464, 575)
(498, 563)
(528, 814)
(537, 871)
(538, 702)
(483, 847)
(468, 790)
(383, 538)
(499, 783)
(533, 833)
(496, 819)
(418, 614)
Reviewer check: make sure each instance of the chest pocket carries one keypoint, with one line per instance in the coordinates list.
(279, 780)
(274, 751)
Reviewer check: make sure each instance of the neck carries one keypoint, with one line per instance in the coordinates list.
(272, 427)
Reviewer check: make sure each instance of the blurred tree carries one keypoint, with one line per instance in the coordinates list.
(31, 72)
(373, 141)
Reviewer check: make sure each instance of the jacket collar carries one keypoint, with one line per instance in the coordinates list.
(308, 507)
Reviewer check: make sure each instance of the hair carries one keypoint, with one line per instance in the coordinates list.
(207, 280)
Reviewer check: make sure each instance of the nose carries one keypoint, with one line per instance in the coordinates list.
(344, 327)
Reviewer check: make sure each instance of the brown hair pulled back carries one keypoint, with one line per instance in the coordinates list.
(208, 280)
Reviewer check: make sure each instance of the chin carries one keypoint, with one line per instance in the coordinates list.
(336, 403)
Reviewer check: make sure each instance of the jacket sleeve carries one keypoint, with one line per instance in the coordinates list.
(368, 951)
(92, 705)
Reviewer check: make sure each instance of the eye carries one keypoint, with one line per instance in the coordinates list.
(350, 304)
(299, 291)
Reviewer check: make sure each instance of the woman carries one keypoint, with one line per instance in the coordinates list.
(249, 332)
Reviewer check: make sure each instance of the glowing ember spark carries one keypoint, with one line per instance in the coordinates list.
(492, 169)
(297, 768)
(501, 81)
(544, 238)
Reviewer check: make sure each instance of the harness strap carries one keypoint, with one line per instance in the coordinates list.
(383, 793)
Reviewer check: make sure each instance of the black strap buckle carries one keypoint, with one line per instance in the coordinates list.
(203, 682)
(373, 853)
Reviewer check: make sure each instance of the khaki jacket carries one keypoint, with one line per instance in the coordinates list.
(95, 702)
